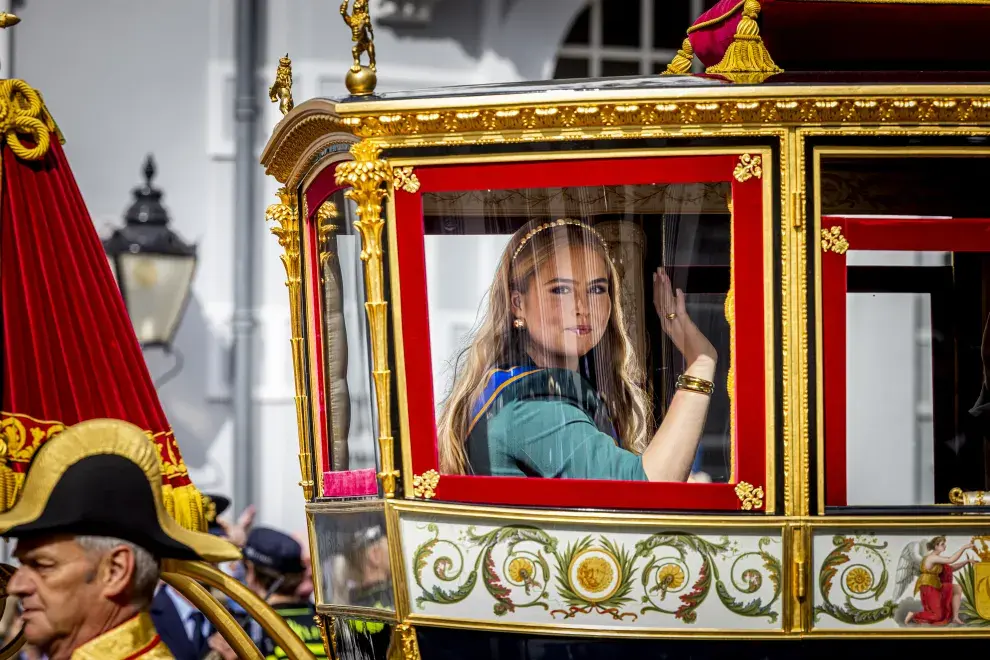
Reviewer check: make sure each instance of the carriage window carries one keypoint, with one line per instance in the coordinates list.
(352, 559)
(572, 335)
(561, 320)
(910, 391)
(348, 393)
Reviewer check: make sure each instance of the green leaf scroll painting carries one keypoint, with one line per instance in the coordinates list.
(668, 574)
(860, 563)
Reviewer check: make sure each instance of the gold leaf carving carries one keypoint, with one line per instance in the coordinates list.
(425, 485)
(285, 216)
(833, 240)
(368, 177)
(748, 167)
(750, 496)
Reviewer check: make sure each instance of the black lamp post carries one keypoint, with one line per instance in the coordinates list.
(153, 266)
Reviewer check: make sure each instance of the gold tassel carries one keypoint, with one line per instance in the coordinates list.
(681, 63)
(185, 504)
(8, 487)
(746, 54)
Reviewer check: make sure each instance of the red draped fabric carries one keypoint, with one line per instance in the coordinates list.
(69, 350)
(937, 602)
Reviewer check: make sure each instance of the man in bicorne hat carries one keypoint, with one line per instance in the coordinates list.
(91, 530)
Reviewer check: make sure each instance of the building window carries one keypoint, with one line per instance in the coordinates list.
(626, 37)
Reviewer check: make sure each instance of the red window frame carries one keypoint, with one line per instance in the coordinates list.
(750, 402)
(887, 233)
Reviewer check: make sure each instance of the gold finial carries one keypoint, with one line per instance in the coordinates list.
(361, 79)
(8, 20)
(281, 89)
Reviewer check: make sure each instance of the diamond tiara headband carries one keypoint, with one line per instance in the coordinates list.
(558, 223)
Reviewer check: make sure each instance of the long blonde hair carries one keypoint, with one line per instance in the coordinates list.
(620, 377)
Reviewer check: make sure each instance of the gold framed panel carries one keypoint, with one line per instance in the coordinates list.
(852, 152)
(770, 182)
(623, 522)
(330, 507)
(883, 527)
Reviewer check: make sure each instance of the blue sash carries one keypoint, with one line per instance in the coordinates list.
(498, 379)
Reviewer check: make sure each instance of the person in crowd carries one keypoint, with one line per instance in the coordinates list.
(274, 570)
(183, 628)
(91, 530)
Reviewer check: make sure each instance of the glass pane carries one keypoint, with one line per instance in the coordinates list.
(155, 287)
(620, 68)
(916, 402)
(571, 67)
(354, 568)
(348, 389)
(620, 23)
(550, 358)
(580, 33)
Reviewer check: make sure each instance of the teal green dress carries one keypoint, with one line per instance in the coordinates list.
(552, 423)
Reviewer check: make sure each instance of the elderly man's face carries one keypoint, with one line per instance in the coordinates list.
(57, 586)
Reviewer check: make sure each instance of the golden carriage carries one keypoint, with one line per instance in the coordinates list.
(817, 194)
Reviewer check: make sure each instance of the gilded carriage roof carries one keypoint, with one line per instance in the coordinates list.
(632, 107)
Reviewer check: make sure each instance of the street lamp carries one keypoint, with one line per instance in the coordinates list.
(153, 266)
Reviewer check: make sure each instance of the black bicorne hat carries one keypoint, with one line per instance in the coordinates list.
(213, 507)
(102, 478)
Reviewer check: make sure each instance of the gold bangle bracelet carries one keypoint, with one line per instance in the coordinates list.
(693, 384)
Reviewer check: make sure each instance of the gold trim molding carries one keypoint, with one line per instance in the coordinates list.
(749, 167)
(371, 179)
(834, 241)
(285, 215)
(750, 496)
(425, 485)
(626, 119)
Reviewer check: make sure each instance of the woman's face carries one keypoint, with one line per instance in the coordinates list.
(566, 306)
(940, 547)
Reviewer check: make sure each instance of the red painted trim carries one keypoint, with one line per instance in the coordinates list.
(574, 173)
(750, 334)
(320, 189)
(751, 368)
(834, 371)
(914, 234)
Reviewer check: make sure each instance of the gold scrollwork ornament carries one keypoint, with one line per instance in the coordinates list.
(369, 179)
(834, 241)
(285, 216)
(425, 485)
(749, 167)
(750, 496)
(960, 497)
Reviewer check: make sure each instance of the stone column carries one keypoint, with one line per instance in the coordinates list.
(627, 243)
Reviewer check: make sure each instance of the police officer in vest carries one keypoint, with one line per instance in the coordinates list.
(273, 569)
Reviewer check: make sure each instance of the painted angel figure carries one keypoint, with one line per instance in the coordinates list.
(924, 563)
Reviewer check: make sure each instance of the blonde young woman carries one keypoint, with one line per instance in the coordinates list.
(550, 385)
